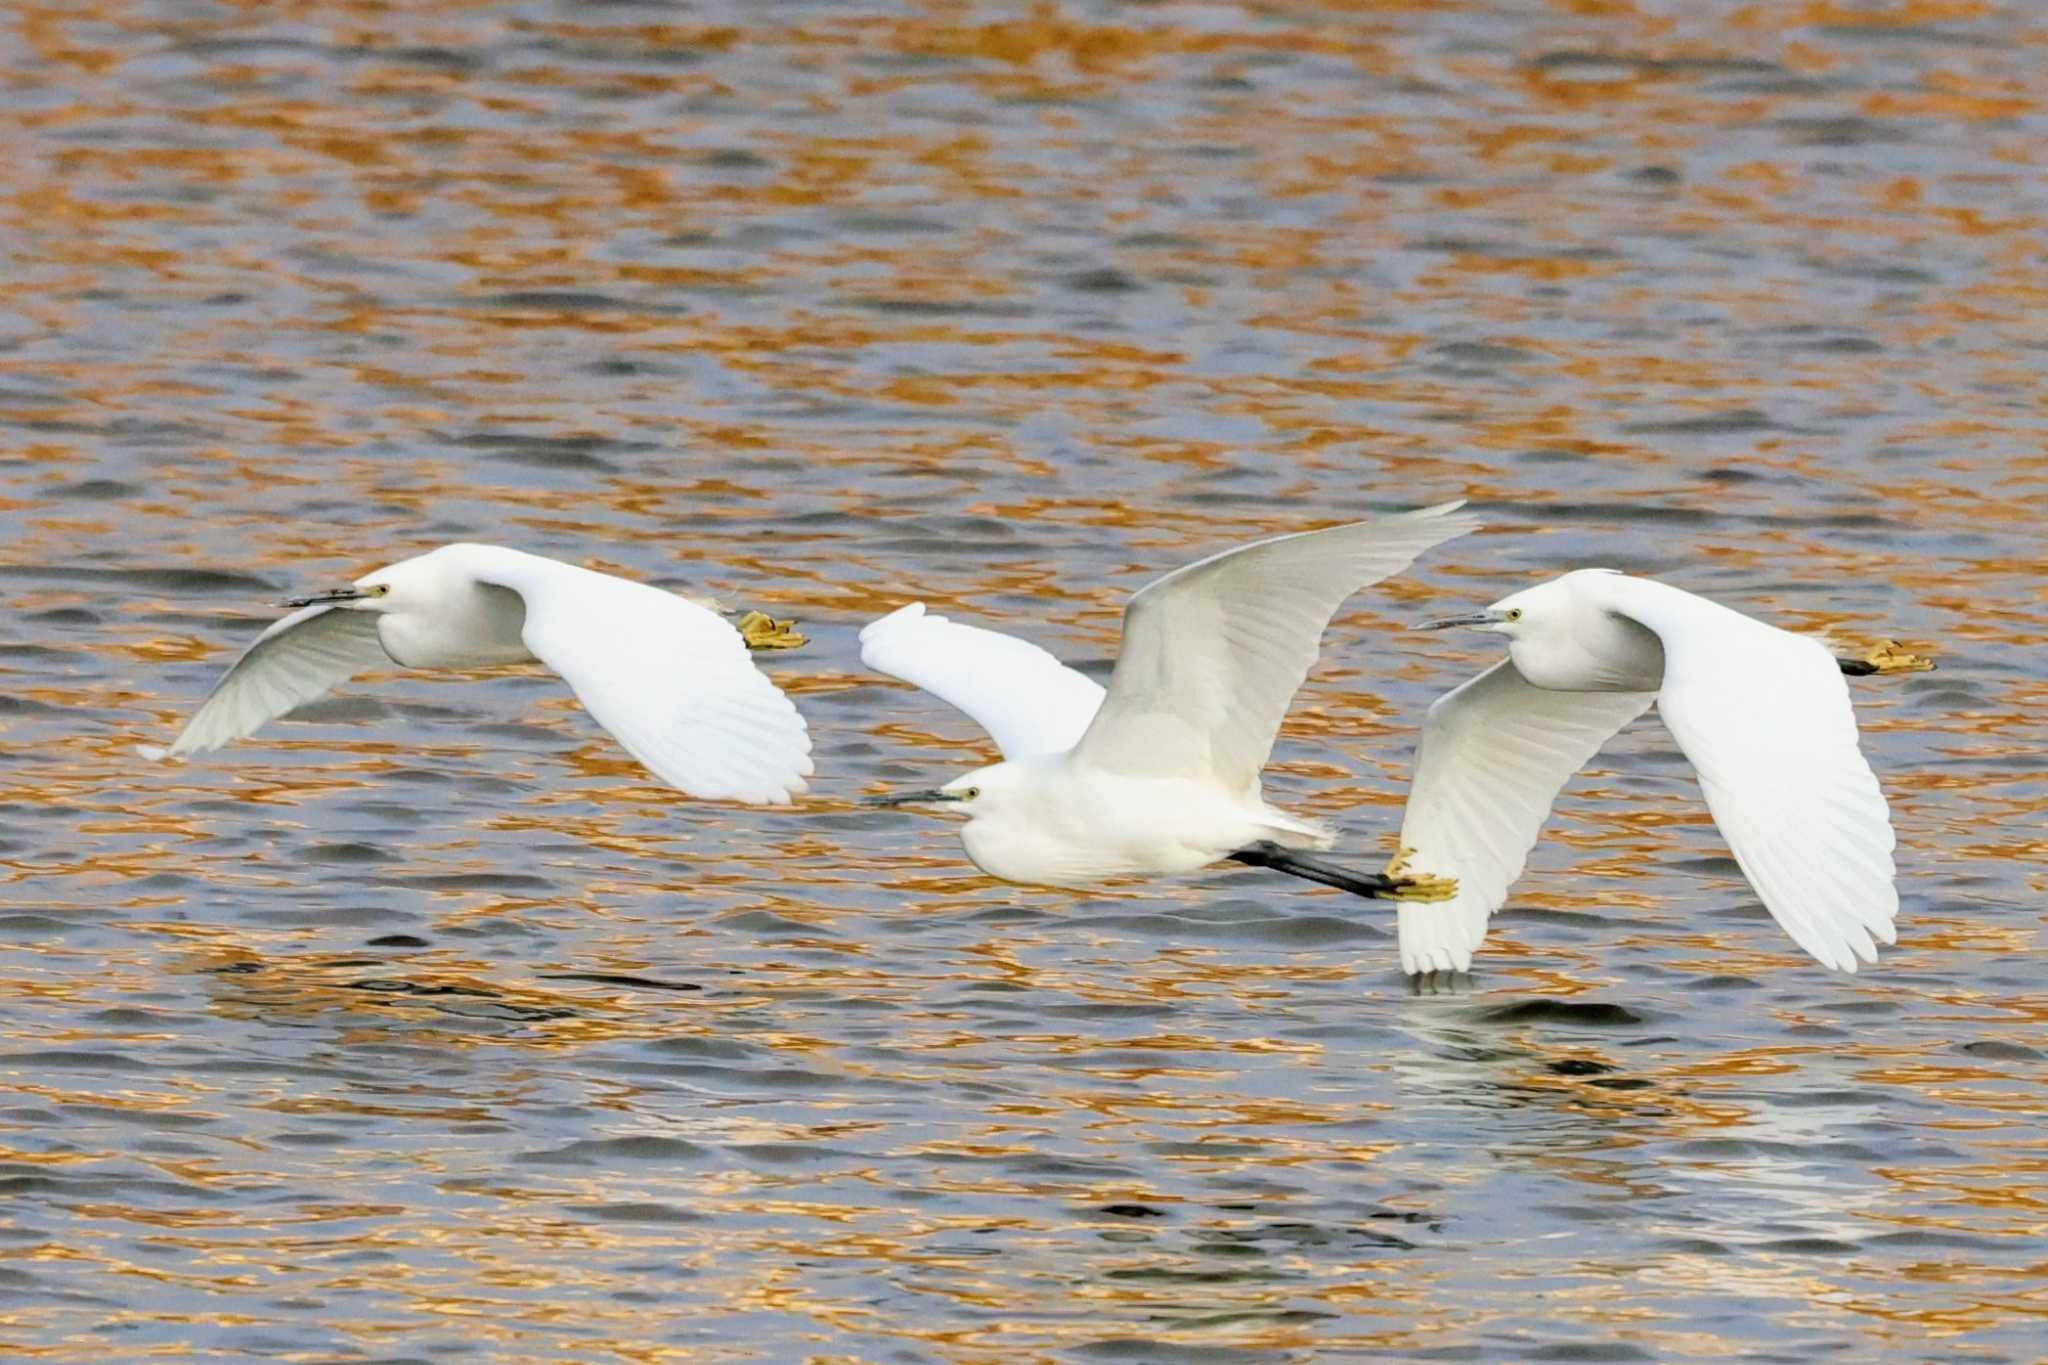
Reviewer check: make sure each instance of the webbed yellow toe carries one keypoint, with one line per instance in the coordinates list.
(1420, 887)
(1890, 657)
(762, 631)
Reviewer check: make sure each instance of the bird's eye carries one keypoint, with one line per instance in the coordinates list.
(970, 793)
(1514, 613)
(377, 589)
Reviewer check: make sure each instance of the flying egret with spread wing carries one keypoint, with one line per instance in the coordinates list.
(1159, 772)
(1762, 713)
(669, 678)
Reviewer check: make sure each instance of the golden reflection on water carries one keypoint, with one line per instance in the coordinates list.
(1010, 312)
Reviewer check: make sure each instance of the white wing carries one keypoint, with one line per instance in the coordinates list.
(1028, 701)
(1764, 716)
(671, 680)
(294, 661)
(1494, 755)
(1213, 653)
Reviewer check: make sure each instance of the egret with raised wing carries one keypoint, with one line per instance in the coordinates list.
(1159, 772)
(1762, 713)
(668, 677)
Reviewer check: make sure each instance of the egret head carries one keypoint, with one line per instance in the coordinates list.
(369, 593)
(1515, 616)
(974, 793)
(423, 583)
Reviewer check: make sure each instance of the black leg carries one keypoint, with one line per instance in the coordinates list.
(1295, 863)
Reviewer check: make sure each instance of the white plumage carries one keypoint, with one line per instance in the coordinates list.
(671, 680)
(1762, 714)
(1160, 772)
(1028, 701)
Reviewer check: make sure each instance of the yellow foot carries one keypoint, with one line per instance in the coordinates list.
(762, 631)
(1889, 658)
(1417, 886)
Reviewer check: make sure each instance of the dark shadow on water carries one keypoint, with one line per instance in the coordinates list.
(621, 979)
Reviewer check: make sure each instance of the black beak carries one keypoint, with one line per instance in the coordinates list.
(1477, 618)
(331, 595)
(909, 798)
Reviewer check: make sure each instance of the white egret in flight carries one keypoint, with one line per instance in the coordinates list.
(669, 678)
(1763, 715)
(1158, 773)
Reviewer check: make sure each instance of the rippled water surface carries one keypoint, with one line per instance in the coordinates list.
(426, 1027)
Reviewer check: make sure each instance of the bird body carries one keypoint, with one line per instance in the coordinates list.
(1159, 773)
(1762, 713)
(1055, 820)
(669, 678)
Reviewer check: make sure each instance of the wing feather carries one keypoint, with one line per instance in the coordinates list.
(1213, 653)
(1495, 753)
(1027, 700)
(1764, 716)
(671, 680)
(297, 659)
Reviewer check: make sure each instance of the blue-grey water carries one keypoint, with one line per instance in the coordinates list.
(426, 1027)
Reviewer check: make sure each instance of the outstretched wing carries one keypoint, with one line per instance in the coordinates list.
(296, 660)
(1028, 701)
(1764, 716)
(1495, 753)
(1213, 653)
(671, 680)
